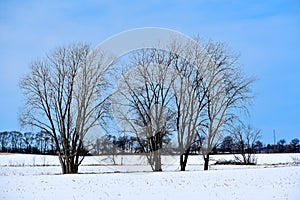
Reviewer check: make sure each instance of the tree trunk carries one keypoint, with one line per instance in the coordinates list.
(68, 165)
(63, 168)
(183, 159)
(157, 161)
(206, 160)
(243, 153)
(182, 165)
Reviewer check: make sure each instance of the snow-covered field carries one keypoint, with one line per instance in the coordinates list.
(129, 177)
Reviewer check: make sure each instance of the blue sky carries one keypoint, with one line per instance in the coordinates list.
(265, 33)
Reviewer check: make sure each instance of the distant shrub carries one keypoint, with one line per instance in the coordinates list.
(296, 159)
(233, 162)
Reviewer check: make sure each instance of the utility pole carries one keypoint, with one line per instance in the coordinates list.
(274, 136)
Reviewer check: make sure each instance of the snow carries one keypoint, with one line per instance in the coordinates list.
(38, 177)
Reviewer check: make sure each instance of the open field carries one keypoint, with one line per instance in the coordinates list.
(276, 176)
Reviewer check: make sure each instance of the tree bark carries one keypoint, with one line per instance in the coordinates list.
(68, 165)
(206, 160)
(183, 159)
(157, 161)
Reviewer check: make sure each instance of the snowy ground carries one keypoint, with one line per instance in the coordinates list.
(38, 177)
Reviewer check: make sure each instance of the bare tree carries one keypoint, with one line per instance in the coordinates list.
(63, 96)
(210, 90)
(145, 110)
(228, 92)
(190, 67)
(245, 138)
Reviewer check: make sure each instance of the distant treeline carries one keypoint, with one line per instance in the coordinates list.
(229, 145)
(28, 142)
(42, 143)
